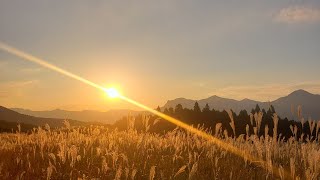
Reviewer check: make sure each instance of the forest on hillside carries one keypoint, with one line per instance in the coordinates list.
(244, 122)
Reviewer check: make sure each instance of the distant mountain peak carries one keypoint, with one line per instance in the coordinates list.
(213, 97)
(300, 92)
(181, 98)
(246, 100)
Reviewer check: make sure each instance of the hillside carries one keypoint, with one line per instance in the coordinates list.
(11, 116)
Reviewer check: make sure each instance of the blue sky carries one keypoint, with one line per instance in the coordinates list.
(158, 50)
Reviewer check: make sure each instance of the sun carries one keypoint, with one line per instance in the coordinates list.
(112, 92)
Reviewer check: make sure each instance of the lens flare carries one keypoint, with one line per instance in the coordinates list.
(113, 93)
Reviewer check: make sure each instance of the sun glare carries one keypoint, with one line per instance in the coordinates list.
(112, 92)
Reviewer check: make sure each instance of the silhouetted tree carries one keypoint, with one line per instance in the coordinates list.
(171, 110)
(257, 109)
(178, 108)
(206, 108)
(243, 113)
(272, 109)
(196, 107)
(253, 111)
(158, 109)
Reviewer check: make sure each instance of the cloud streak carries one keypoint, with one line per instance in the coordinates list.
(298, 14)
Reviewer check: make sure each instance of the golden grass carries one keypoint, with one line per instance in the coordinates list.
(97, 152)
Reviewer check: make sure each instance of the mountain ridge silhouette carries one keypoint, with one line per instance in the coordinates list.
(107, 117)
(308, 101)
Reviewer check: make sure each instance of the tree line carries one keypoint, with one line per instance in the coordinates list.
(207, 118)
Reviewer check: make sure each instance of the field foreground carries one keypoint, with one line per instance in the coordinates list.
(100, 153)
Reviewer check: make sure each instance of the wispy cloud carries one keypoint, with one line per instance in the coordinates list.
(298, 14)
(267, 92)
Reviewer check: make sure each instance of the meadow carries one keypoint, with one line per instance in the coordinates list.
(97, 152)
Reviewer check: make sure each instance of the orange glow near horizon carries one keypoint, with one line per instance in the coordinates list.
(113, 93)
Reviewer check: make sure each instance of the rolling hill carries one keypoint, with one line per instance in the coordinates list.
(8, 116)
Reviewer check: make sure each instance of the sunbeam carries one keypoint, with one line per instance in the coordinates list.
(113, 93)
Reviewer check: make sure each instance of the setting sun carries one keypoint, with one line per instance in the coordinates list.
(112, 92)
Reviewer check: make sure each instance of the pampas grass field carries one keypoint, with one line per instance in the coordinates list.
(97, 152)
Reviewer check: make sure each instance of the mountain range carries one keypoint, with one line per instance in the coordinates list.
(310, 104)
(9, 120)
(108, 117)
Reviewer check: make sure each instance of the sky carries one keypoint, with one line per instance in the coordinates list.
(155, 51)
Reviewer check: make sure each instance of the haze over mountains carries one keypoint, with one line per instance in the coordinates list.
(107, 117)
(310, 104)
(10, 118)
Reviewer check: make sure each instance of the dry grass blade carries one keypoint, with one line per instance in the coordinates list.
(152, 172)
(193, 170)
(181, 170)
